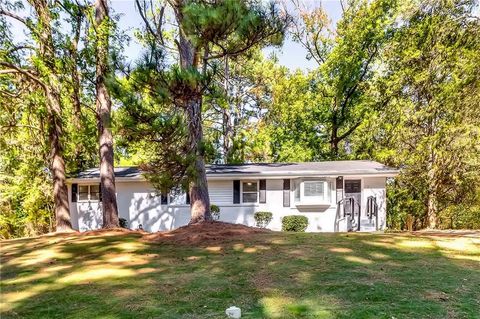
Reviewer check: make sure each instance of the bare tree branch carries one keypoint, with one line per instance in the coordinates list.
(24, 72)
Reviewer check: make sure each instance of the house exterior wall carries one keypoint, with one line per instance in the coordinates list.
(139, 204)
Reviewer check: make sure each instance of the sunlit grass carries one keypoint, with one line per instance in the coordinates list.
(275, 275)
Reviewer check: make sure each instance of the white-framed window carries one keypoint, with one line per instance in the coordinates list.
(89, 192)
(249, 192)
(313, 191)
(297, 190)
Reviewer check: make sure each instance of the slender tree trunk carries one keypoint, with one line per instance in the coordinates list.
(54, 110)
(432, 211)
(77, 109)
(432, 207)
(104, 105)
(198, 189)
(226, 118)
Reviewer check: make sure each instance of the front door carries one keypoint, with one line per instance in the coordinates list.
(353, 189)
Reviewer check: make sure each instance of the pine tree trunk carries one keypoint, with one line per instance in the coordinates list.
(199, 197)
(60, 191)
(198, 189)
(104, 105)
(54, 110)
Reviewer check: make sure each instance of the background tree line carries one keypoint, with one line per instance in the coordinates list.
(394, 81)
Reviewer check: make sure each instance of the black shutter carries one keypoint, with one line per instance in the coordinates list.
(263, 191)
(163, 198)
(339, 188)
(286, 193)
(187, 197)
(74, 192)
(100, 192)
(236, 192)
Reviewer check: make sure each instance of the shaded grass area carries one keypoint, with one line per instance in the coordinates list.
(268, 275)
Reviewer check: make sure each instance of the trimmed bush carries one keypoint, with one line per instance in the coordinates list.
(296, 223)
(215, 210)
(262, 219)
(122, 222)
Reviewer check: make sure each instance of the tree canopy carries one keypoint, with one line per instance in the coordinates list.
(393, 81)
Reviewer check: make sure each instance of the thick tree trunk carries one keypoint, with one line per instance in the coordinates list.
(198, 189)
(104, 105)
(334, 134)
(199, 197)
(54, 110)
(60, 192)
(334, 142)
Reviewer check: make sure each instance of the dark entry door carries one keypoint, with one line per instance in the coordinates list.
(353, 189)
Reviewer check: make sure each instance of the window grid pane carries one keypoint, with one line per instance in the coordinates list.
(314, 188)
(94, 192)
(249, 197)
(249, 186)
(249, 192)
(83, 192)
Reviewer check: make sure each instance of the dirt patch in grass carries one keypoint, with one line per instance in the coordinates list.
(207, 232)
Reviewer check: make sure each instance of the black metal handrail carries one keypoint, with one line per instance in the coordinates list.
(351, 201)
(372, 209)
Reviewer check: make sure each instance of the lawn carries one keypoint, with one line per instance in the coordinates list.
(268, 275)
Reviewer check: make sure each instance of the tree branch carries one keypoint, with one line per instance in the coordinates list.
(14, 16)
(350, 130)
(24, 72)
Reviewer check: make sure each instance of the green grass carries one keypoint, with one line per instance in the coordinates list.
(276, 275)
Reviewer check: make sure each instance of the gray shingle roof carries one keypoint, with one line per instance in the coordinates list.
(361, 167)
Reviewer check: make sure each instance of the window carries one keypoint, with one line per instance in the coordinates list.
(297, 191)
(94, 192)
(89, 192)
(314, 188)
(313, 192)
(83, 192)
(249, 192)
(178, 196)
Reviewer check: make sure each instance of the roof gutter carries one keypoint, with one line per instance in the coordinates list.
(278, 175)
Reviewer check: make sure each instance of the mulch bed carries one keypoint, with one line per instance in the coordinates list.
(206, 232)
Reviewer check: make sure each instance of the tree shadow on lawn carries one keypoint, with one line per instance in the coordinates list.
(272, 275)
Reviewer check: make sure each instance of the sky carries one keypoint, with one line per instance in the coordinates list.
(291, 55)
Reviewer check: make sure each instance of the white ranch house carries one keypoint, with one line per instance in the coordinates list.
(325, 192)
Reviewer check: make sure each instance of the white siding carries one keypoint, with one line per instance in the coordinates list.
(139, 204)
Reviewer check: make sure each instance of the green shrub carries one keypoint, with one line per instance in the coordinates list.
(215, 210)
(123, 222)
(262, 219)
(296, 223)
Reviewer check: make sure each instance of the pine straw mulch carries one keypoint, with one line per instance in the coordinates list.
(203, 233)
(111, 232)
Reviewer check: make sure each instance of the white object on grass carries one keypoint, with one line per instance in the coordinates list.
(233, 312)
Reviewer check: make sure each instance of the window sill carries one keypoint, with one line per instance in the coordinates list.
(312, 205)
